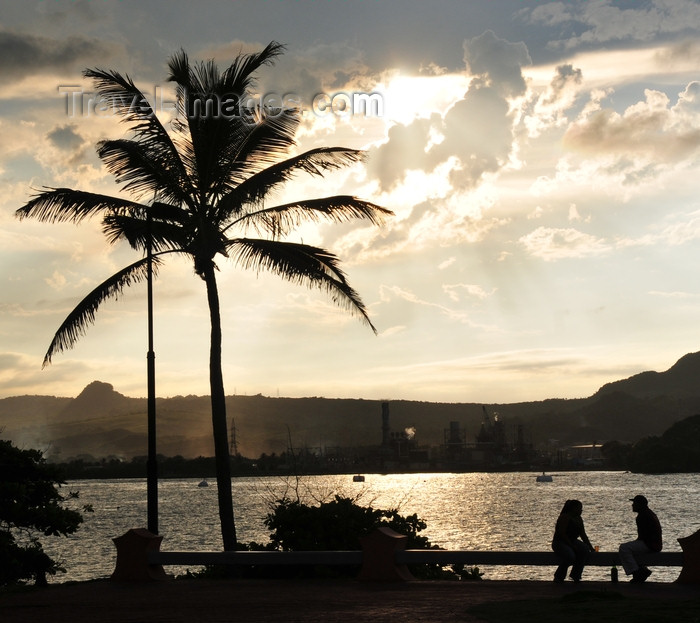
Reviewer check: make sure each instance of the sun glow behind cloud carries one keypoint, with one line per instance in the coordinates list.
(409, 97)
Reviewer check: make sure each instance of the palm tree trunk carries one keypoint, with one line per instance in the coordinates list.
(218, 416)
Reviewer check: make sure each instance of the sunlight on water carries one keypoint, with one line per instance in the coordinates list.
(479, 511)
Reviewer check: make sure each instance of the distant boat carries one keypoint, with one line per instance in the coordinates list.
(544, 478)
(203, 483)
(358, 478)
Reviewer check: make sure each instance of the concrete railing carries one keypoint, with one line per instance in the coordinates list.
(246, 558)
(535, 559)
(383, 557)
(405, 557)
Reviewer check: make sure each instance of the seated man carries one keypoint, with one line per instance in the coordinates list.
(648, 540)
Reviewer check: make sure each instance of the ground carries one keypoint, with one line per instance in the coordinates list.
(249, 601)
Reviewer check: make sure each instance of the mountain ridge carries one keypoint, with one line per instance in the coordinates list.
(103, 422)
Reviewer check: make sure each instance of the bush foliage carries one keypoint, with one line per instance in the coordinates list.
(30, 505)
(336, 525)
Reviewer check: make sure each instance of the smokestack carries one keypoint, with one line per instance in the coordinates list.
(386, 429)
(454, 432)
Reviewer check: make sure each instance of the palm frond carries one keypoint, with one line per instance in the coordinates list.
(260, 144)
(144, 168)
(211, 138)
(205, 79)
(314, 162)
(300, 264)
(65, 205)
(126, 99)
(239, 77)
(136, 230)
(76, 323)
(280, 220)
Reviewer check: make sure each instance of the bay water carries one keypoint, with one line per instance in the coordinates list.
(472, 511)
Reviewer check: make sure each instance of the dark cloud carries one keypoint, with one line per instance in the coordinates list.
(66, 138)
(564, 77)
(22, 55)
(566, 74)
(681, 52)
(85, 10)
(479, 133)
(606, 21)
(404, 150)
(498, 61)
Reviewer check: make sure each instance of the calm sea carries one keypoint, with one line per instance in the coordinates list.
(476, 511)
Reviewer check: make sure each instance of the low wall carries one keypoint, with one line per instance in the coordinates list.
(383, 557)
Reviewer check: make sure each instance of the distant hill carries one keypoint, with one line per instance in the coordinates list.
(102, 422)
(681, 381)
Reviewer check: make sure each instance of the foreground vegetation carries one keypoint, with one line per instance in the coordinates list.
(31, 505)
(334, 525)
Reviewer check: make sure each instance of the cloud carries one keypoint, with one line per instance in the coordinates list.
(479, 134)
(575, 215)
(551, 244)
(675, 295)
(686, 229)
(566, 75)
(476, 131)
(529, 373)
(454, 291)
(651, 128)
(678, 54)
(550, 14)
(57, 281)
(403, 151)
(603, 22)
(497, 62)
(393, 293)
(65, 137)
(22, 54)
(303, 72)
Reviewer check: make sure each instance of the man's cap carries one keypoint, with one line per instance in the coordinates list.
(640, 499)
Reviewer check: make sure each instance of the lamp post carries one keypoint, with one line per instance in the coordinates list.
(152, 464)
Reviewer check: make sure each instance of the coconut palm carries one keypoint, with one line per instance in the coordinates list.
(200, 190)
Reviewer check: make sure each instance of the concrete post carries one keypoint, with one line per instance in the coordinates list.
(378, 557)
(132, 556)
(690, 573)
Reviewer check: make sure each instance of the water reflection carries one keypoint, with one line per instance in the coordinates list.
(463, 511)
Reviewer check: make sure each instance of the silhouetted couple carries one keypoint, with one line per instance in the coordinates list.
(572, 546)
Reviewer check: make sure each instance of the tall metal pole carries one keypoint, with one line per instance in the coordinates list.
(152, 464)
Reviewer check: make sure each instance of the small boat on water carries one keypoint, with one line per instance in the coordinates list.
(358, 478)
(203, 483)
(544, 478)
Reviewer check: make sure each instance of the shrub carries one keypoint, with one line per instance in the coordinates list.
(338, 525)
(30, 506)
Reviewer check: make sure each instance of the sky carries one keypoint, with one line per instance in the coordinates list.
(541, 160)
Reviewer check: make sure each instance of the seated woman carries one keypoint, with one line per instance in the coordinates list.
(570, 542)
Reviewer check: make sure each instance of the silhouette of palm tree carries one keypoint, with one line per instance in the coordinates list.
(208, 180)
